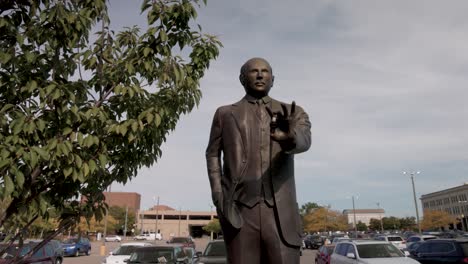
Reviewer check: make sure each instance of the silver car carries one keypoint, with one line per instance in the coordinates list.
(368, 252)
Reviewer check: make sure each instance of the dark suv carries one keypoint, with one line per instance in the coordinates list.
(313, 241)
(442, 251)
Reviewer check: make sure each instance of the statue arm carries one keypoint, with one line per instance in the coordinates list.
(301, 131)
(213, 160)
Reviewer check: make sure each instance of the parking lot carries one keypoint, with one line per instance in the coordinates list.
(308, 256)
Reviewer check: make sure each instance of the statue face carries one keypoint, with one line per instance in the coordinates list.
(257, 77)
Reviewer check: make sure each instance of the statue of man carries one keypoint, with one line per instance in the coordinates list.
(250, 160)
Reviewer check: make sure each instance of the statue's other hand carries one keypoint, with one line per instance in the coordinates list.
(283, 123)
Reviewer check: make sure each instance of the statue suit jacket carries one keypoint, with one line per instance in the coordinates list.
(229, 142)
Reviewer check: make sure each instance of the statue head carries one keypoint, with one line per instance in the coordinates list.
(257, 77)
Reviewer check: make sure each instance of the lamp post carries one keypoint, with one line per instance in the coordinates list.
(380, 215)
(180, 213)
(354, 216)
(211, 219)
(157, 217)
(414, 196)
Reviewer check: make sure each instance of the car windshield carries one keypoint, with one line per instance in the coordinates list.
(152, 256)
(395, 239)
(71, 241)
(464, 246)
(179, 240)
(124, 250)
(378, 251)
(215, 249)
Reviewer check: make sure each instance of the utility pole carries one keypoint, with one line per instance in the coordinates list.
(125, 227)
(157, 216)
(211, 220)
(415, 201)
(180, 212)
(355, 224)
(381, 222)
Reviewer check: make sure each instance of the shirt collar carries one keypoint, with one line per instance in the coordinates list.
(251, 99)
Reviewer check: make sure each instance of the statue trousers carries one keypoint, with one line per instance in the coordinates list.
(259, 240)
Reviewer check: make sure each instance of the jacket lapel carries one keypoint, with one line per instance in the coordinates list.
(239, 112)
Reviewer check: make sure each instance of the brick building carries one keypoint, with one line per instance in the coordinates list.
(124, 199)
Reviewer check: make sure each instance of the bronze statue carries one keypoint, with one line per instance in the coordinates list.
(250, 160)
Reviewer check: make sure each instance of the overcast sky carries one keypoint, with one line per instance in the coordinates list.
(384, 84)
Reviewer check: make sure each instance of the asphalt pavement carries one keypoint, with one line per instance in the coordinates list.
(308, 256)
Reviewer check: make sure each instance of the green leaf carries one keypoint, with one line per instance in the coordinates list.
(149, 117)
(6, 108)
(163, 35)
(85, 169)
(33, 159)
(67, 171)
(92, 165)
(146, 51)
(80, 138)
(41, 152)
(157, 120)
(9, 186)
(78, 161)
(40, 125)
(134, 126)
(4, 162)
(103, 160)
(67, 131)
(19, 178)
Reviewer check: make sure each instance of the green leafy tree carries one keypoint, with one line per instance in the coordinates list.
(391, 223)
(76, 115)
(361, 226)
(375, 224)
(118, 213)
(308, 208)
(213, 226)
(408, 223)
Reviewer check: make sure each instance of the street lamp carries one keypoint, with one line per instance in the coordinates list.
(354, 216)
(380, 215)
(414, 196)
(157, 216)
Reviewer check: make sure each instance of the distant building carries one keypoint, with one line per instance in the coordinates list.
(124, 200)
(363, 215)
(171, 222)
(453, 201)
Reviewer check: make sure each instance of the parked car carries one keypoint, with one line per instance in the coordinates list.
(118, 255)
(45, 254)
(191, 254)
(76, 246)
(412, 247)
(410, 240)
(113, 238)
(340, 239)
(313, 241)
(398, 241)
(323, 254)
(150, 236)
(185, 241)
(442, 251)
(215, 253)
(169, 254)
(56, 246)
(368, 252)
